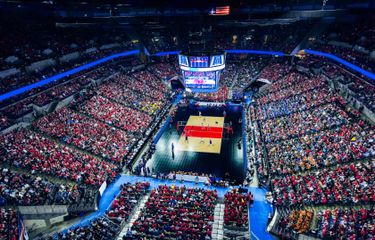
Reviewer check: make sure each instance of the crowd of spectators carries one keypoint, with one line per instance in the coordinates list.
(177, 212)
(361, 89)
(99, 228)
(8, 224)
(128, 198)
(117, 90)
(274, 71)
(27, 190)
(164, 71)
(236, 208)
(108, 122)
(295, 103)
(39, 154)
(316, 150)
(298, 221)
(337, 223)
(109, 225)
(229, 73)
(116, 114)
(347, 184)
(342, 223)
(146, 78)
(246, 71)
(86, 133)
(299, 111)
(221, 95)
(148, 95)
(303, 87)
(305, 122)
(57, 91)
(322, 149)
(292, 78)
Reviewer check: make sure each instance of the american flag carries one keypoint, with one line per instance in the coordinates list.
(220, 11)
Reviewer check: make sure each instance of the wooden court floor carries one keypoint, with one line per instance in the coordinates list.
(202, 134)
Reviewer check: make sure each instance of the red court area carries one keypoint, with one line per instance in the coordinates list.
(203, 132)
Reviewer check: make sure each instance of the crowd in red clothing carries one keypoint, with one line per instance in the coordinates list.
(86, 133)
(221, 95)
(116, 114)
(146, 78)
(151, 91)
(8, 224)
(274, 71)
(350, 224)
(174, 212)
(129, 91)
(300, 88)
(117, 90)
(93, 134)
(236, 208)
(164, 71)
(39, 154)
(290, 79)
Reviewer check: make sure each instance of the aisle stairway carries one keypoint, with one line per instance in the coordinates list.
(134, 217)
(217, 227)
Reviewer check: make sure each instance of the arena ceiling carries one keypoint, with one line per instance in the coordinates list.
(192, 7)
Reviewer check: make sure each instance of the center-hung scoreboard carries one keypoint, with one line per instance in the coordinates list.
(201, 71)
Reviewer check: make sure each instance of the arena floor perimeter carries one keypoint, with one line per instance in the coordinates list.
(197, 155)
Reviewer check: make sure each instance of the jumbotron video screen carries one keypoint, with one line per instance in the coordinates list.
(201, 80)
(201, 73)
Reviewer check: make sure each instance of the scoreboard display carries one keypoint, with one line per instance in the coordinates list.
(200, 80)
(199, 62)
(201, 73)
